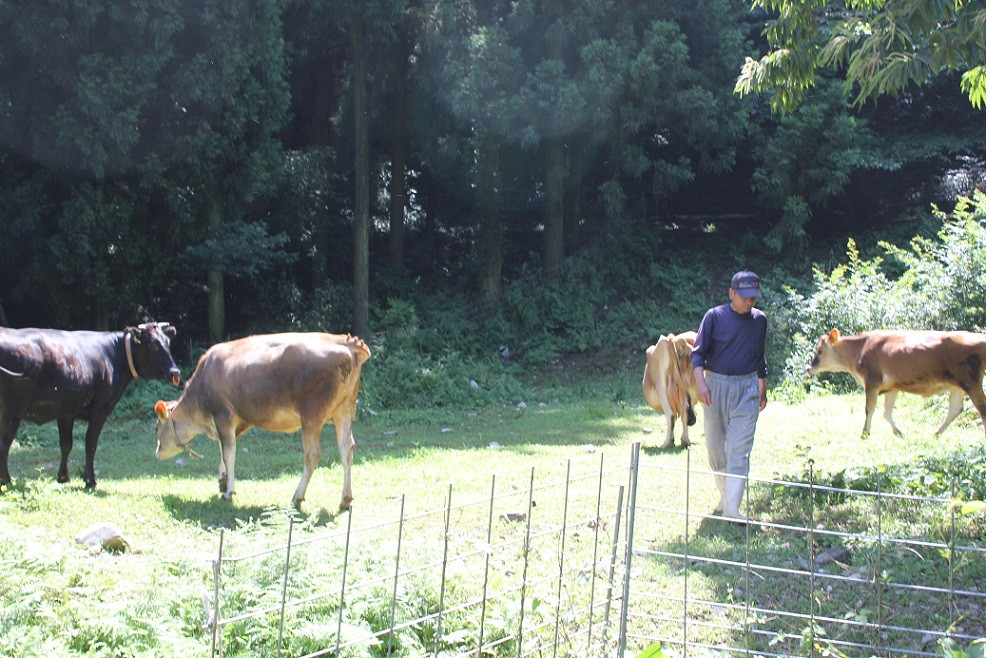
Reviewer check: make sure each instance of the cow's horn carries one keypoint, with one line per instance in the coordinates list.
(142, 326)
(163, 325)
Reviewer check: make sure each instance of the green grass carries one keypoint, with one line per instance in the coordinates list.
(58, 598)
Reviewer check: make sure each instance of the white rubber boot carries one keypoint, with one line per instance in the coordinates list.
(732, 499)
(721, 486)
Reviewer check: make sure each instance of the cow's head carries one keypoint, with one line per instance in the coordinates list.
(150, 347)
(171, 438)
(826, 356)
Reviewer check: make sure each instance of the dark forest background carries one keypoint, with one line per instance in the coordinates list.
(483, 170)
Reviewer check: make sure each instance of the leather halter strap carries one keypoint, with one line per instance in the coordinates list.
(130, 356)
(183, 446)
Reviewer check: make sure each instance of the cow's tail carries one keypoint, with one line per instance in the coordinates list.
(361, 351)
(677, 388)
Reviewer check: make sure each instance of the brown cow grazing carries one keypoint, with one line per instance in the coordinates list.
(669, 382)
(921, 362)
(277, 382)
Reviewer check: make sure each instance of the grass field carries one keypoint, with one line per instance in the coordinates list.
(58, 598)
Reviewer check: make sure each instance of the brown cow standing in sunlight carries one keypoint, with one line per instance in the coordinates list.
(920, 362)
(669, 382)
(277, 382)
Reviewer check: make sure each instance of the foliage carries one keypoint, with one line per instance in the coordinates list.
(805, 162)
(936, 284)
(949, 648)
(961, 475)
(415, 366)
(653, 651)
(118, 143)
(115, 151)
(883, 45)
(241, 250)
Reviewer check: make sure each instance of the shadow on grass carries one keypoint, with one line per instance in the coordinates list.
(324, 517)
(656, 451)
(218, 513)
(213, 513)
(126, 447)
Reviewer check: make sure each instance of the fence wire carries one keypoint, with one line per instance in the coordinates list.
(598, 564)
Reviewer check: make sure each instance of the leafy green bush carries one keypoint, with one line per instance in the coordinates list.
(938, 283)
(949, 648)
(929, 476)
(414, 366)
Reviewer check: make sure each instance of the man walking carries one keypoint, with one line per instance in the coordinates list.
(731, 378)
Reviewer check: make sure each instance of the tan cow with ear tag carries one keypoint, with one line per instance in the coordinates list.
(277, 382)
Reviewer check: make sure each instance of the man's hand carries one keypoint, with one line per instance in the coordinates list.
(704, 394)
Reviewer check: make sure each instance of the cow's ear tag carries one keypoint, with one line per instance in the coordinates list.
(834, 335)
(161, 409)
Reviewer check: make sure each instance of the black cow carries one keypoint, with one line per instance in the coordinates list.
(47, 374)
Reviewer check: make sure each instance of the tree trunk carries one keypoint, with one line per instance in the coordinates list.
(553, 251)
(398, 198)
(217, 308)
(490, 239)
(554, 220)
(322, 135)
(361, 239)
(573, 199)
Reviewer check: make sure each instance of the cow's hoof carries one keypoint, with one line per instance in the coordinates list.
(297, 503)
(62, 478)
(667, 444)
(90, 486)
(685, 444)
(345, 504)
(228, 495)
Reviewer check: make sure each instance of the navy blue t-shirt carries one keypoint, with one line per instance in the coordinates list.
(731, 343)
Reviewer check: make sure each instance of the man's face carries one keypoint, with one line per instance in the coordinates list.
(741, 305)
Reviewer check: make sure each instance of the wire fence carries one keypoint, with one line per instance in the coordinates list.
(599, 564)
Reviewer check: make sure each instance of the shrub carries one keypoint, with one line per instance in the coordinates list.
(937, 284)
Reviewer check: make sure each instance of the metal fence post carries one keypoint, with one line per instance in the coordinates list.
(217, 571)
(811, 554)
(486, 571)
(625, 611)
(284, 589)
(951, 563)
(878, 576)
(527, 553)
(441, 594)
(688, 497)
(746, 573)
(561, 555)
(612, 563)
(397, 571)
(345, 568)
(595, 551)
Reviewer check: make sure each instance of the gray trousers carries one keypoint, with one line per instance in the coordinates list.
(731, 421)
